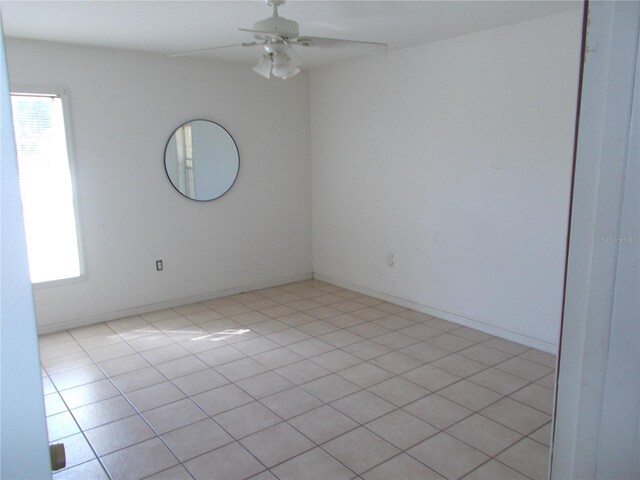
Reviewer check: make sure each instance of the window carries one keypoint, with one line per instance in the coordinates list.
(46, 187)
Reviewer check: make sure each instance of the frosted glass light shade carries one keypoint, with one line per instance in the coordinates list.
(282, 67)
(263, 67)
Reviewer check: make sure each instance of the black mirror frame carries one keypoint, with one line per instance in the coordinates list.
(166, 171)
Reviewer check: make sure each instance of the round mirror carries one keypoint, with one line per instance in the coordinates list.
(201, 160)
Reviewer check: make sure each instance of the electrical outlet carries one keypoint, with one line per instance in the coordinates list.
(159, 265)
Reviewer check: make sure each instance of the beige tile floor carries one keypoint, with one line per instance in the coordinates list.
(306, 380)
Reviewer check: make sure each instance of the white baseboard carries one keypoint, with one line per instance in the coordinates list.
(466, 322)
(178, 302)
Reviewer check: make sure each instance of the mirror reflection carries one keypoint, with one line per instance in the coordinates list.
(201, 159)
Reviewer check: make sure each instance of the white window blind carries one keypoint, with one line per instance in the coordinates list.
(46, 187)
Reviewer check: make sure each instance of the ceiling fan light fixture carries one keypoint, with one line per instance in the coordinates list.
(282, 66)
(263, 67)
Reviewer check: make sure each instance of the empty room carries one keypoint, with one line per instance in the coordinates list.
(298, 240)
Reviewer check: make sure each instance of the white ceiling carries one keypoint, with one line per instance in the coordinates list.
(175, 26)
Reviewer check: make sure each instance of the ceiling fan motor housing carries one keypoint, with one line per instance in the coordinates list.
(287, 29)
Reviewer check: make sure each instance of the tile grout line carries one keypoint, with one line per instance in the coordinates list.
(209, 416)
(83, 436)
(137, 412)
(310, 358)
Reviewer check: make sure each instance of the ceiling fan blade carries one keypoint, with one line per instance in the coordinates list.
(202, 50)
(264, 33)
(329, 42)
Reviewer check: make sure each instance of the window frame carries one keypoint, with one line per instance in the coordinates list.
(63, 94)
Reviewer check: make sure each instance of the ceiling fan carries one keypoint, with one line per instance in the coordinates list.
(277, 36)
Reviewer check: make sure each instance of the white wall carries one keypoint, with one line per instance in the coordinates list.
(124, 107)
(23, 436)
(456, 157)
